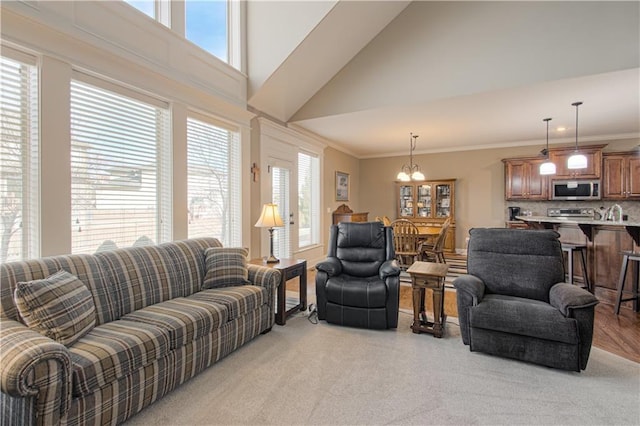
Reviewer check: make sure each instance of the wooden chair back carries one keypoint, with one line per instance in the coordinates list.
(407, 242)
(384, 219)
(437, 250)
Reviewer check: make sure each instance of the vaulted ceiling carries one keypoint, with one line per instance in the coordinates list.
(462, 75)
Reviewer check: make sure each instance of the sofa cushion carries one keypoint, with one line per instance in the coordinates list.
(238, 300)
(526, 317)
(345, 290)
(113, 350)
(184, 319)
(225, 266)
(59, 307)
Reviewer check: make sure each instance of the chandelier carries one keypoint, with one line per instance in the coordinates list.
(412, 171)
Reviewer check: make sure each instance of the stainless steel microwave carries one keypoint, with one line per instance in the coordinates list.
(576, 189)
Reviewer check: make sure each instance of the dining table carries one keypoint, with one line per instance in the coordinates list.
(428, 233)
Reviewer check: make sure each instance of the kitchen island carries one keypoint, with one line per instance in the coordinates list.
(605, 241)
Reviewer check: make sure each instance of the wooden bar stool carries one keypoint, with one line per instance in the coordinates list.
(570, 249)
(633, 257)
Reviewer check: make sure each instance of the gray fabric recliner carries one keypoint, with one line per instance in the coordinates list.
(514, 301)
(358, 285)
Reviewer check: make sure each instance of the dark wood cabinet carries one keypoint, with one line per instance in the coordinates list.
(559, 157)
(621, 176)
(523, 180)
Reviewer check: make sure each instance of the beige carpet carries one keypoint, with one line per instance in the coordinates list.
(303, 373)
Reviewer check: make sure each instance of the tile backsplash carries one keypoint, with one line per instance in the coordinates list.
(539, 208)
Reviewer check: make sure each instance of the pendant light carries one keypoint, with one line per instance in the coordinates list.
(577, 160)
(547, 168)
(412, 171)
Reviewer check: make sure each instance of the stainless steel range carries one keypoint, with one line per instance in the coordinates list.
(575, 212)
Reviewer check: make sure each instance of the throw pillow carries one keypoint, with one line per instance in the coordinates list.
(59, 307)
(225, 266)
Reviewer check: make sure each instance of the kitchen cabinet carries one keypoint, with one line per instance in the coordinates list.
(621, 176)
(523, 180)
(559, 157)
(429, 203)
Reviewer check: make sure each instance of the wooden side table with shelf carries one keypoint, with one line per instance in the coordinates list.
(430, 275)
(289, 269)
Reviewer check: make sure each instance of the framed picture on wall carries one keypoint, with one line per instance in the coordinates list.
(342, 186)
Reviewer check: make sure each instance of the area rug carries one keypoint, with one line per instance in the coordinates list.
(322, 374)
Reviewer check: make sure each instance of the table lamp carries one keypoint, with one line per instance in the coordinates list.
(270, 218)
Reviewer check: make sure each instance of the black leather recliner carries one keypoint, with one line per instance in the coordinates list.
(358, 284)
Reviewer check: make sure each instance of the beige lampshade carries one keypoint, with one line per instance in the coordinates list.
(269, 218)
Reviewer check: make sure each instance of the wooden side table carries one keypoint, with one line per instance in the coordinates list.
(289, 268)
(426, 275)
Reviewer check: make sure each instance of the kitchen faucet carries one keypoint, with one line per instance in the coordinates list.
(611, 215)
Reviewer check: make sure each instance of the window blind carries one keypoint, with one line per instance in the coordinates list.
(214, 192)
(120, 190)
(19, 187)
(308, 200)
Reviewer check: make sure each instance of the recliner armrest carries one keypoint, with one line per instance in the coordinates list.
(470, 285)
(331, 265)
(389, 268)
(565, 297)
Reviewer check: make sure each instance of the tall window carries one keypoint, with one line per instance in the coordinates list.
(120, 167)
(18, 157)
(308, 200)
(213, 181)
(206, 26)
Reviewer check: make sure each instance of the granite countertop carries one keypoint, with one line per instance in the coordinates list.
(577, 221)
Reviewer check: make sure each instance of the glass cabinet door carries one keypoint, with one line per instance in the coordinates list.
(406, 201)
(443, 200)
(423, 201)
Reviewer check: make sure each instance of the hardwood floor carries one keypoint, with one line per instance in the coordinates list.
(618, 334)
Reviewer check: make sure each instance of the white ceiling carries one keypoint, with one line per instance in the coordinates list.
(462, 75)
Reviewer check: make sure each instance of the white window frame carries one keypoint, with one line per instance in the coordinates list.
(30, 178)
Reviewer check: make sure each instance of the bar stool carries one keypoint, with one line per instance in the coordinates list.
(582, 248)
(633, 257)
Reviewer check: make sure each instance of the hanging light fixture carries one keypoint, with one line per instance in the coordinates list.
(412, 171)
(577, 160)
(547, 168)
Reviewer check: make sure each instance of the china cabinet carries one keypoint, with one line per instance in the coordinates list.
(429, 204)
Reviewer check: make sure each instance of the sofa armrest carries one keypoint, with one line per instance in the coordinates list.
(566, 297)
(331, 265)
(470, 285)
(34, 365)
(263, 276)
(469, 292)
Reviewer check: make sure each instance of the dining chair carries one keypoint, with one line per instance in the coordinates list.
(436, 251)
(407, 242)
(384, 219)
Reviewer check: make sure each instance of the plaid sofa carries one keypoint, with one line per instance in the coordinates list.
(154, 329)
